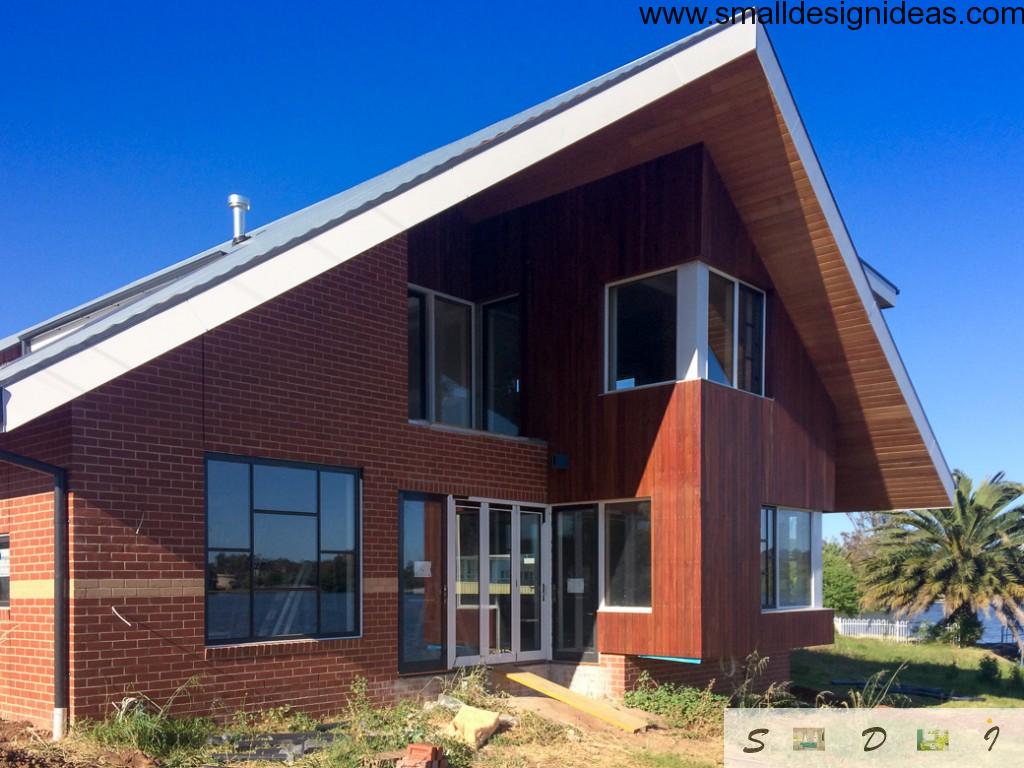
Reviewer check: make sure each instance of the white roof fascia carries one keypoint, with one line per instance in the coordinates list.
(823, 193)
(94, 364)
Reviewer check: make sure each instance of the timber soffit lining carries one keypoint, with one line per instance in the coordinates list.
(766, 161)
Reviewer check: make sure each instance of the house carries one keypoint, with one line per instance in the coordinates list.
(575, 391)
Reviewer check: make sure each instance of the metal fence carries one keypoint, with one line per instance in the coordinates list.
(898, 631)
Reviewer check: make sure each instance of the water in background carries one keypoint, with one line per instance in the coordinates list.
(992, 629)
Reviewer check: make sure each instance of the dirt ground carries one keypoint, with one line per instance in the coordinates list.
(592, 743)
(21, 746)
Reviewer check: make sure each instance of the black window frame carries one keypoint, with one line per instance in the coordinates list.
(612, 331)
(357, 552)
(5, 594)
(422, 363)
(769, 545)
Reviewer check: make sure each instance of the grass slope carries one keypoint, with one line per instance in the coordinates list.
(929, 664)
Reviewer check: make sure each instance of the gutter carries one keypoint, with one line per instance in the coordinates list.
(61, 605)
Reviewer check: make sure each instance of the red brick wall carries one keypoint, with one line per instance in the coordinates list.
(26, 514)
(624, 671)
(316, 375)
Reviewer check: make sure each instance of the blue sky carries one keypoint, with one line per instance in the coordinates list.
(123, 130)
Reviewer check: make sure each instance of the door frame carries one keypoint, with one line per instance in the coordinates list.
(598, 586)
(485, 657)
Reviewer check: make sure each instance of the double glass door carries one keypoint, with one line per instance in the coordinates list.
(498, 578)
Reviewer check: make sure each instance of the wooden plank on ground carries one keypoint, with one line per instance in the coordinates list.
(599, 709)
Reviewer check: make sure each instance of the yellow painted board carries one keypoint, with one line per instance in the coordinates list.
(593, 707)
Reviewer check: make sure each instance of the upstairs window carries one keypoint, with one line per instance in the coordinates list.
(5, 571)
(456, 351)
(642, 331)
(735, 351)
(282, 550)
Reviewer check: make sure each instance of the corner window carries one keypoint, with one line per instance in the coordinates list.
(5, 571)
(282, 550)
(627, 554)
(787, 541)
(735, 348)
(642, 331)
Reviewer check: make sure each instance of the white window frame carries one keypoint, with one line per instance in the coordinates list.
(691, 327)
(602, 604)
(816, 567)
(6, 539)
(430, 296)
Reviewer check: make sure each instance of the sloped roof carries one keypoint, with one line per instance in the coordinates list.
(86, 347)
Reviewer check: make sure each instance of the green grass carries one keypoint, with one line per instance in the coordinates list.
(648, 759)
(933, 665)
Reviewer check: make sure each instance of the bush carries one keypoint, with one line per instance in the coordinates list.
(1016, 680)
(696, 709)
(988, 669)
(961, 631)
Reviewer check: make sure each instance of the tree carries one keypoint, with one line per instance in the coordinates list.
(841, 591)
(970, 556)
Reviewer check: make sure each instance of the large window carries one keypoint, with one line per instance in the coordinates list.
(282, 550)
(642, 331)
(627, 554)
(735, 350)
(787, 570)
(456, 349)
(5, 571)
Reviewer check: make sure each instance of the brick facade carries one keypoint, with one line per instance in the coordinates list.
(316, 375)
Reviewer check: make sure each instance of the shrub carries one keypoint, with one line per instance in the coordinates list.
(139, 723)
(695, 709)
(988, 669)
(962, 631)
(1016, 680)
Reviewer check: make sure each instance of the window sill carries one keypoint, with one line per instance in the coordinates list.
(613, 609)
(668, 383)
(296, 647)
(437, 426)
(795, 609)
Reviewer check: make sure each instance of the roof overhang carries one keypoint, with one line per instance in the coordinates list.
(722, 87)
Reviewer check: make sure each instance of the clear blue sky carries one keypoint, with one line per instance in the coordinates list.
(123, 127)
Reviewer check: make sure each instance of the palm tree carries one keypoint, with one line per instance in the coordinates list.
(970, 556)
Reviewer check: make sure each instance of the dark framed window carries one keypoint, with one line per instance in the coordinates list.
(768, 557)
(750, 340)
(642, 331)
(627, 552)
(282, 550)
(5, 571)
(417, 308)
(502, 361)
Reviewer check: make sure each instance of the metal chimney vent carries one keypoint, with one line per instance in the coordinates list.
(239, 204)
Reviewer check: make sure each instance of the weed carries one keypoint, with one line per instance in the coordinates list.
(988, 669)
(698, 710)
(744, 681)
(472, 685)
(139, 723)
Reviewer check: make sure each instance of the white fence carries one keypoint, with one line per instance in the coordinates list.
(901, 631)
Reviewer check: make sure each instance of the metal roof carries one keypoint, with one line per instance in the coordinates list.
(167, 287)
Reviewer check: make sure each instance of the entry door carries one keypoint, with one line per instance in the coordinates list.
(574, 581)
(499, 575)
(422, 583)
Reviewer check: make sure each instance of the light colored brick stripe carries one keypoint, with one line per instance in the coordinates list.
(97, 589)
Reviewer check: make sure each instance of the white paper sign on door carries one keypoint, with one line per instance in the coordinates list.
(421, 569)
(574, 586)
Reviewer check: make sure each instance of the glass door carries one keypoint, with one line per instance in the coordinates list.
(422, 583)
(574, 581)
(499, 554)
